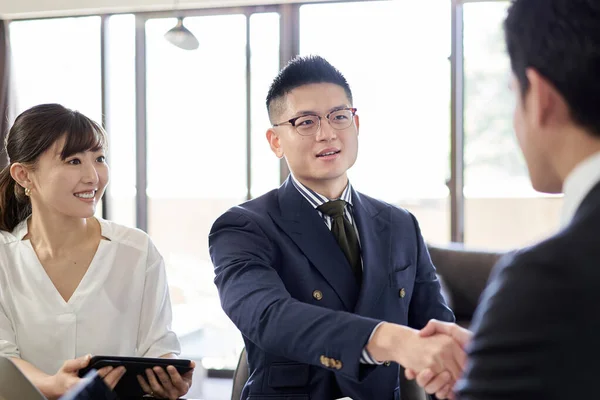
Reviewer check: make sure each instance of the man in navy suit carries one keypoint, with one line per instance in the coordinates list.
(535, 333)
(327, 285)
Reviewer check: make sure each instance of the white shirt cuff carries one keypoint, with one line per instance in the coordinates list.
(365, 357)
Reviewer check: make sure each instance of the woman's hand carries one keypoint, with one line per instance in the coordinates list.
(111, 375)
(167, 384)
(67, 376)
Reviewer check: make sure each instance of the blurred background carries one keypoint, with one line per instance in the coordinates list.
(187, 127)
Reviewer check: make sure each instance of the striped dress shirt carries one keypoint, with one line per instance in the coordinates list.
(316, 200)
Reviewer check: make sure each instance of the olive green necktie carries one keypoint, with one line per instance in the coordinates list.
(344, 233)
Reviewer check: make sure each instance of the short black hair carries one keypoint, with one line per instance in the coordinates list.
(304, 70)
(561, 40)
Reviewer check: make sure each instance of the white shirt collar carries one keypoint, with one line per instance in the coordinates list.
(578, 185)
(316, 199)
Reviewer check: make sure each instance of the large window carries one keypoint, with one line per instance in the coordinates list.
(58, 61)
(500, 203)
(196, 162)
(264, 65)
(198, 142)
(120, 118)
(401, 87)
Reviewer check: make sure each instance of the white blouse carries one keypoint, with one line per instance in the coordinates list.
(121, 307)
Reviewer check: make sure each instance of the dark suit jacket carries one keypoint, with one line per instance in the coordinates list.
(91, 387)
(537, 330)
(285, 283)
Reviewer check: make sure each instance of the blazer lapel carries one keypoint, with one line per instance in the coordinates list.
(306, 228)
(375, 238)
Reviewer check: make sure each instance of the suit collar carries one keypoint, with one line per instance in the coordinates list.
(316, 199)
(578, 185)
(302, 223)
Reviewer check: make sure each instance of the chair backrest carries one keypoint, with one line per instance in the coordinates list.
(240, 376)
(410, 390)
(14, 385)
(465, 272)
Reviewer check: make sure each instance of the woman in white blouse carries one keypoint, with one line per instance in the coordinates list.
(71, 284)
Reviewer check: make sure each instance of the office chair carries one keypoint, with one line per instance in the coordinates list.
(409, 389)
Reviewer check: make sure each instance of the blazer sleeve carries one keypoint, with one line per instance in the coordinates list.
(255, 298)
(427, 301)
(532, 338)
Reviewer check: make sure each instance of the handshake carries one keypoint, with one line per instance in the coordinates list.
(434, 356)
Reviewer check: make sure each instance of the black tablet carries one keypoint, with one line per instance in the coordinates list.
(128, 386)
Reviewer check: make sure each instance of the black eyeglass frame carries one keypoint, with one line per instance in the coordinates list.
(293, 120)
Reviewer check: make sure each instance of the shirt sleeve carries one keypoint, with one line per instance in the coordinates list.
(155, 337)
(8, 340)
(365, 357)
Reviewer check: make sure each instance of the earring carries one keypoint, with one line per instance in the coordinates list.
(27, 192)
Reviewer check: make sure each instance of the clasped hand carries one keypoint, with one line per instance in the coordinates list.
(444, 361)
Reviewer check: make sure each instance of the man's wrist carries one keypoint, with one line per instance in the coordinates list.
(388, 342)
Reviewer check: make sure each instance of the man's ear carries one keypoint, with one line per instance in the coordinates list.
(21, 174)
(274, 142)
(541, 99)
(357, 123)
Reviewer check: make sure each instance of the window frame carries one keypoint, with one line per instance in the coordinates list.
(289, 48)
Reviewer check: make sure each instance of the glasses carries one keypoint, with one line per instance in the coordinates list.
(307, 125)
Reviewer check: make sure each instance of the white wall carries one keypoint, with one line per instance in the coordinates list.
(16, 9)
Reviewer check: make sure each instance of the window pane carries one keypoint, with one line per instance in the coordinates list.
(196, 168)
(120, 118)
(264, 64)
(501, 208)
(401, 87)
(58, 61)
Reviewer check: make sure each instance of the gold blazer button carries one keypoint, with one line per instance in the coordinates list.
(402, 293)
(317, 295)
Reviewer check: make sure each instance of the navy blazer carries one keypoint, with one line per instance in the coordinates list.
(286, 284)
